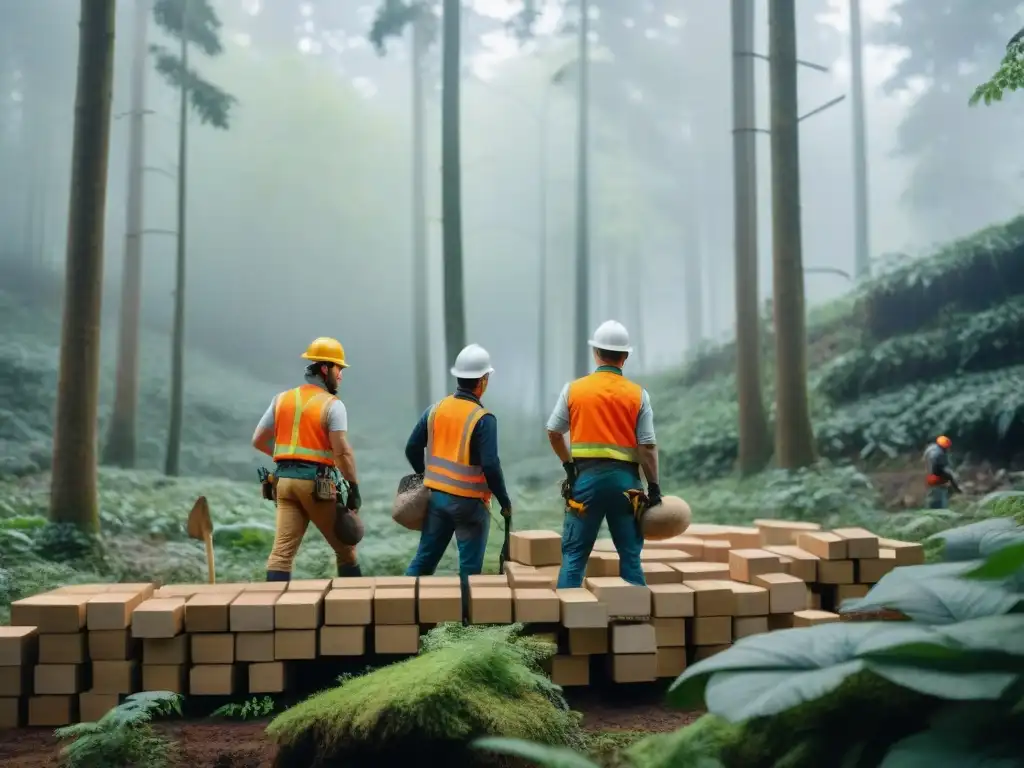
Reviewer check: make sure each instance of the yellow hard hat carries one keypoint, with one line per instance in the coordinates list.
(326, 350)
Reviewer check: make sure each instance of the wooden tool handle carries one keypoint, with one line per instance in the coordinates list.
(210, 565)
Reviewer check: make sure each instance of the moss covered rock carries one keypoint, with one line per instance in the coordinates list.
(466, 683)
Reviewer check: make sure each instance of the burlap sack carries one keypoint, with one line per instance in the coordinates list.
(410, 509)
(347, 526)
(670, 518)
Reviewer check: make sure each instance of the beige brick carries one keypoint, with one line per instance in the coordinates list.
(871, 571)
(57, 679)
(536, 547)
(488, 580)
(787, 594)
(213, 680)
(63, 649)
(159, 618)
(669, 632)
(115, 677)
(701, 571)
(568, 671)
(712, 630)
(588, 641)
(490, 604)
(664, 556)
(442, 582)
(270, 677)
(713, 598)
(294, 644)
(93, 705)
(112, 645)
(580, 608)
(209, 648)
(396, 639)
(348, 607)
(835, 572)
(671, 661)
(112, 610)
(394, 606)
(310, 585)
(209, 612)
(18, 645)
(672, 600)
(536, 606)
(164, 651)
(624, 600)
(357, 582)
(254, 647)
(299, 610)
(52, 711)
(633, 638)
(634, 668)
(860, 543)
(782, 532)
(905, 552)
(745, 626)
(750, 599)
(813, 618)
(802, 563)
(826, 546)
(343, 641)
(603, 565)
(745, 564)
(165, 677)
(253, 611)
(50, 614)
(438, 605)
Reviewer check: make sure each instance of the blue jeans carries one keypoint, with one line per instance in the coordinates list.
(447, 515)
(937, 497)
(601, 488)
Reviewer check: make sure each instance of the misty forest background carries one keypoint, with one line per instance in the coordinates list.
(316, 180)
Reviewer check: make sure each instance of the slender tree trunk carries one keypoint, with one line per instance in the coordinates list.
(120, 448)
(581, 355)
(451, 182)
(794, 436)
(542, 258)
(420, 281)
(861, 227)
(754, 440)
(73, 490)
(173, 459)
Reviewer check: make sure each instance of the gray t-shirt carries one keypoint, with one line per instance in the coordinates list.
(559, 419)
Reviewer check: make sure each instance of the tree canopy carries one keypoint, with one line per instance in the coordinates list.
(1009, 76)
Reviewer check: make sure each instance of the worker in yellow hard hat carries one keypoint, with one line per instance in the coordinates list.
(305, 431)
(940, 476)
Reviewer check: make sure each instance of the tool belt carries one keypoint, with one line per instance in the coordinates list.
(325, 486)
(267, 481)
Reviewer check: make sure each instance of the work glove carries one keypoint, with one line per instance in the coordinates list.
(653, 495)
(506, 512)
(570, 479)
(354, 501)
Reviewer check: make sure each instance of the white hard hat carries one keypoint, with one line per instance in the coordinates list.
(612, 336)
(472, 363)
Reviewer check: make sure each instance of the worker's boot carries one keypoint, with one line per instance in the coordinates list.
(350, 571)
(279, 576)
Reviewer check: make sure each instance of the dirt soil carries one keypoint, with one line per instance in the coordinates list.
(243, 745)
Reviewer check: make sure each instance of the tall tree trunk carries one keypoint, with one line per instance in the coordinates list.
(73, 491)
(581, 355)
(794, 436)
(173, 458)
(120, 448)
(420, 281)
(754, 440)
(861, 227)
(451, 182)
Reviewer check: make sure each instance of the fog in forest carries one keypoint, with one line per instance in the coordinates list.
(299, 214)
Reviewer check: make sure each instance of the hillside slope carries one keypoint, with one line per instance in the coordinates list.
(932, 346)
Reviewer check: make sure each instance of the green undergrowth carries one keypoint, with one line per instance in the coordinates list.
(468, 682)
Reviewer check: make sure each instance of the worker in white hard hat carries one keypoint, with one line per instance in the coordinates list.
(454, 446)
(611, 436)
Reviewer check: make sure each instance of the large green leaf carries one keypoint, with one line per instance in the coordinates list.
(950, 685)
(746, 694)
(991, 643)
(976, 735)
(1004, 563)
(964, 543)
(934, 594)
(803, 660)
(541, 754)
(934, 749)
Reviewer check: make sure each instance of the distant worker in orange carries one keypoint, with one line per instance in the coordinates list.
(940, 476)
(611, 437)
(304, 430)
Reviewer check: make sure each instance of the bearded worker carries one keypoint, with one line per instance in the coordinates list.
(304, 431)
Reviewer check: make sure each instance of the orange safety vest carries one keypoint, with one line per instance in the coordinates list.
(449, 429)
(299, 431)
(603, 411)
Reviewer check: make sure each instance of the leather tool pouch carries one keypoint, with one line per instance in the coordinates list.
(324, 487)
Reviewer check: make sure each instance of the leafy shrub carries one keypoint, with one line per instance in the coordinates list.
(251, 709)
(966, 343)
(122, 738)
(983, 413)
(468, 682)
(971, 274)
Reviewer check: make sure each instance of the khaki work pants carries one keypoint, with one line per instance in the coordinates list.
(296, 509)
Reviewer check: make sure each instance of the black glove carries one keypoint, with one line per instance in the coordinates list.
(354, 501)
(570, 472)
(506, 512)
(653, 495)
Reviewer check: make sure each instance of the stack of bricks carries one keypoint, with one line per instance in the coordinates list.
(73, 653)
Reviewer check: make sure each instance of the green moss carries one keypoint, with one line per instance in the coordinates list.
(469, 682)
(703, 740)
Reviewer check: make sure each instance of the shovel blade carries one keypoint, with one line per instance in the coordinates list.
(200, 526)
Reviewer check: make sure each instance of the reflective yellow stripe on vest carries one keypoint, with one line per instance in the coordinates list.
(468, 477)
(604, 451)
(294, 449)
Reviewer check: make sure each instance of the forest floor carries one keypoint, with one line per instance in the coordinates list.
(612, 720)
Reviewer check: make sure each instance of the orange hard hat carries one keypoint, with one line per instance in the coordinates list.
(326, 350)
(943, 442)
